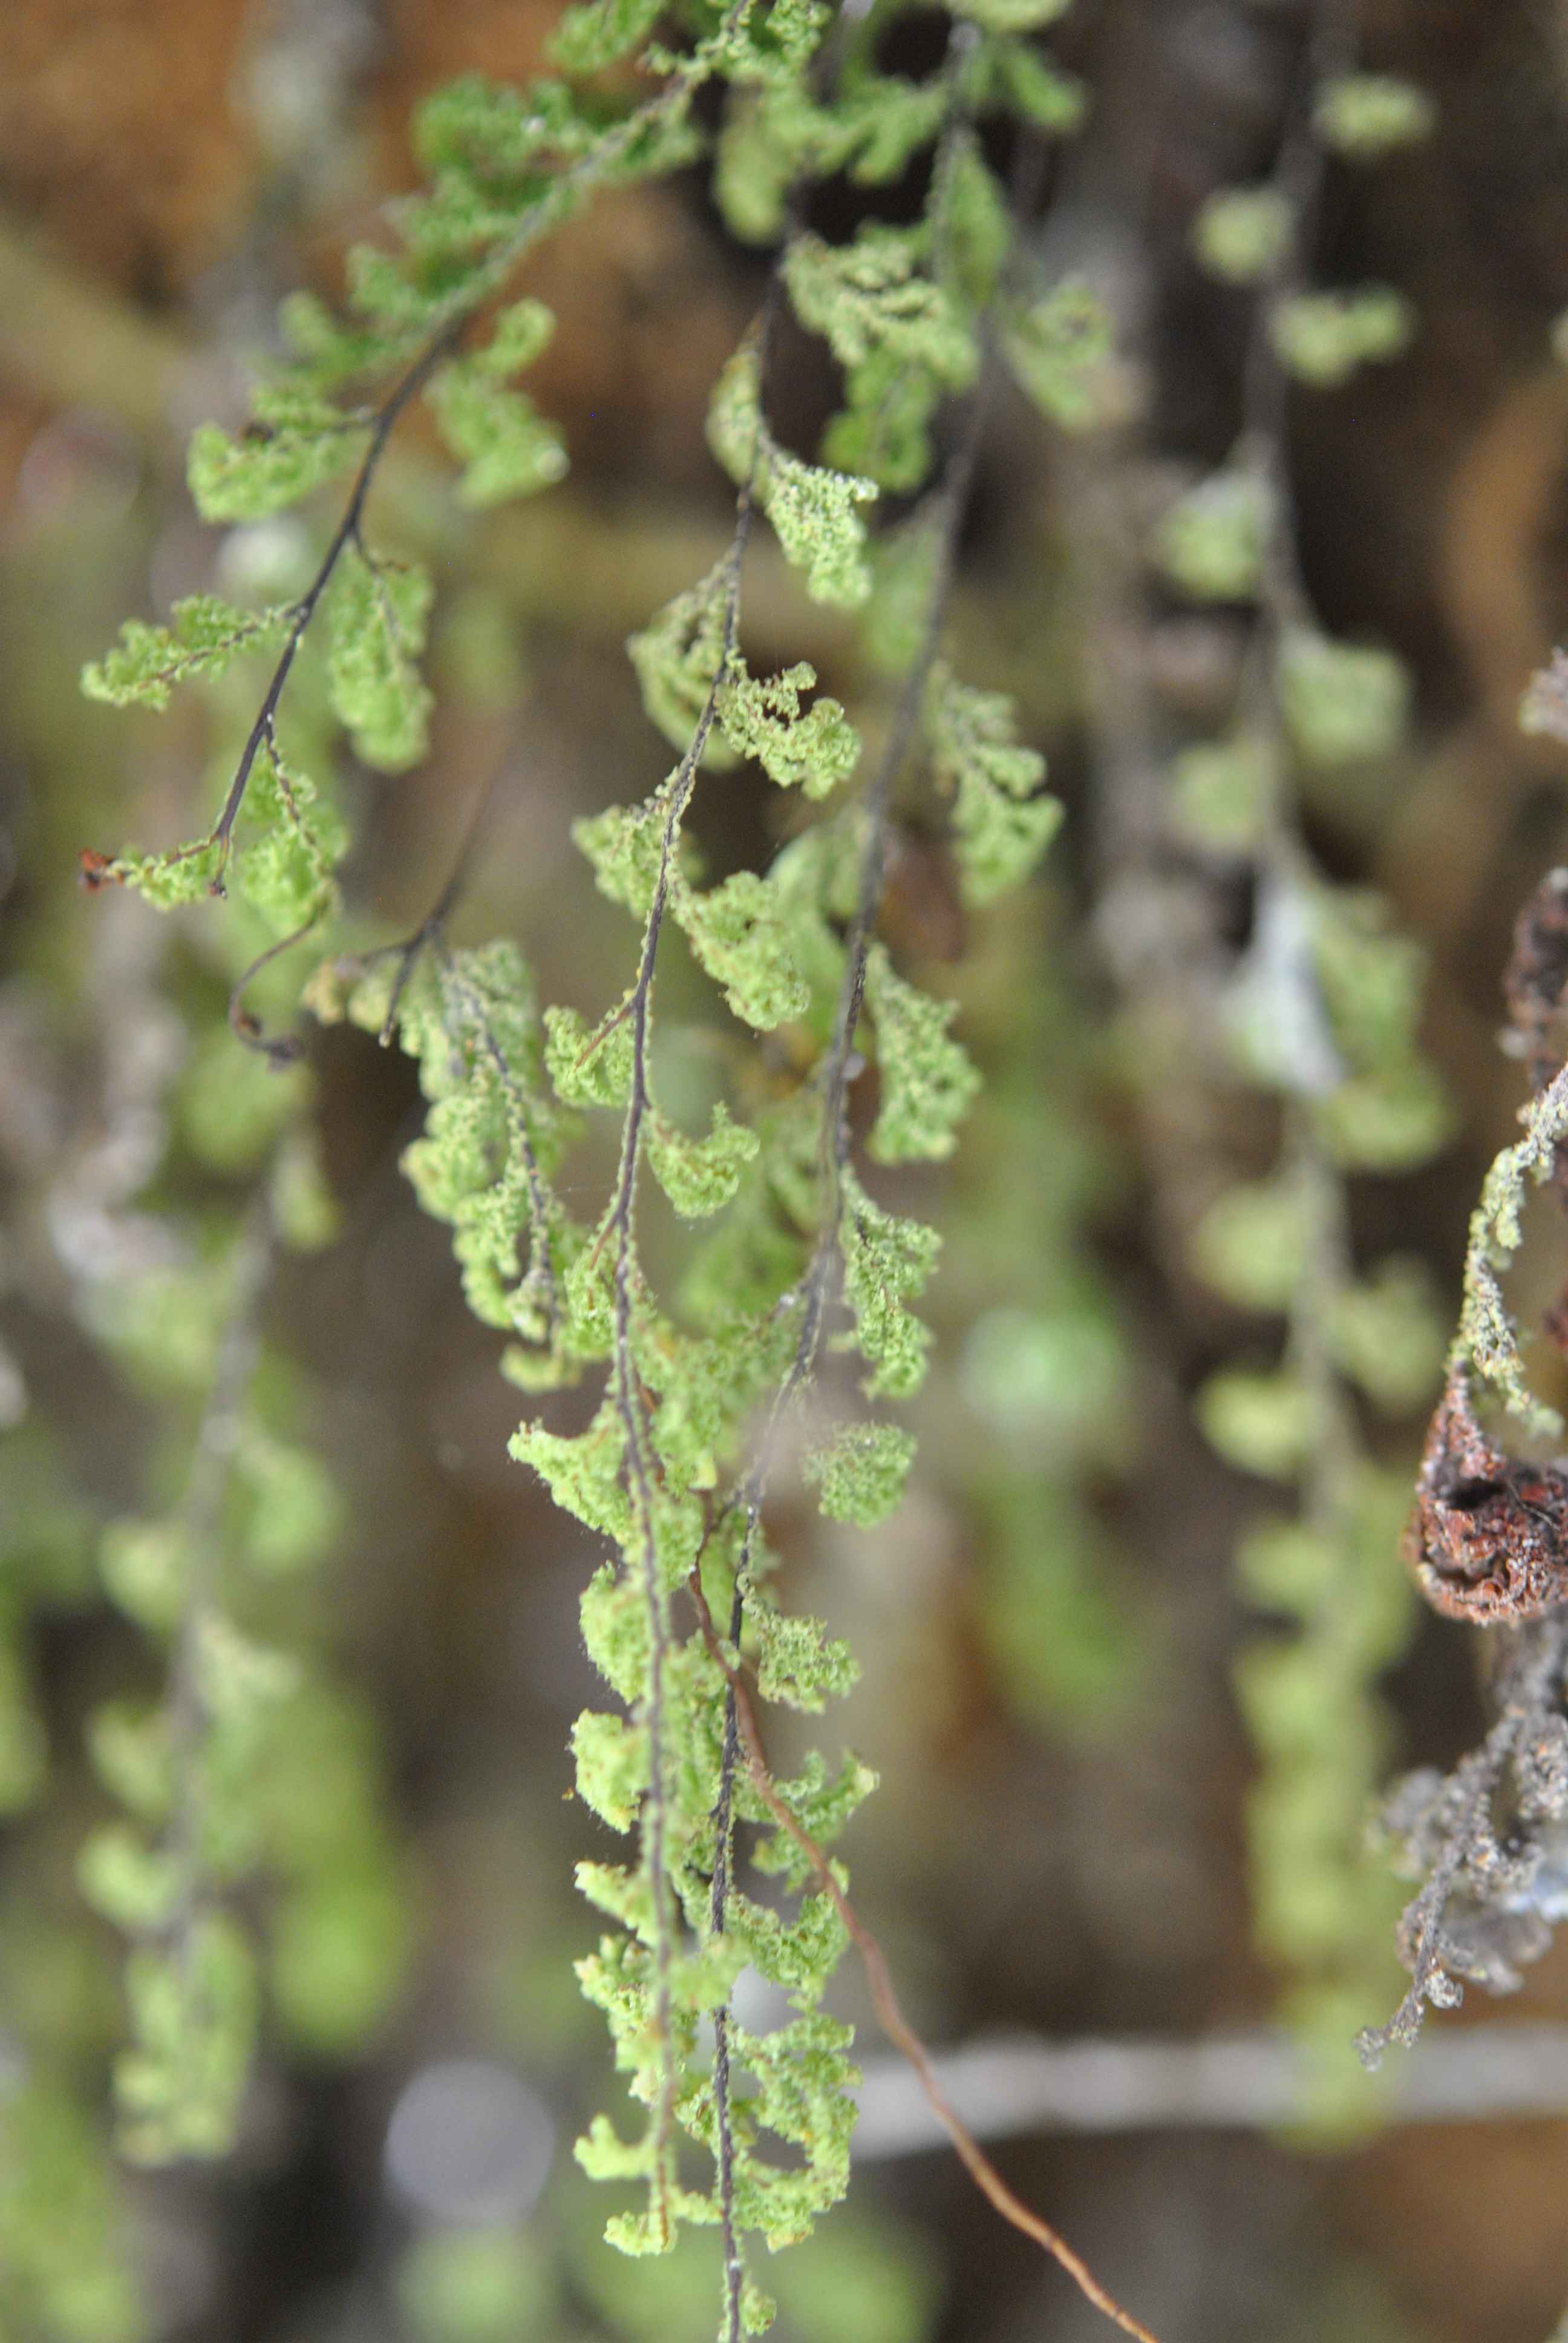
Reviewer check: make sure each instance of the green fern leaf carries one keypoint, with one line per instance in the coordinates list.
(377, 618)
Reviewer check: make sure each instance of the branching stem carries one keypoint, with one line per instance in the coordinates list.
(304, 610)
(821, 1276)
(446, 328)
(641, 1468)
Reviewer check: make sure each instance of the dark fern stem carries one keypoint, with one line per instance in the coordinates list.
(885, 2000)
(346, 534)
(642, 1466)
(817, 1298)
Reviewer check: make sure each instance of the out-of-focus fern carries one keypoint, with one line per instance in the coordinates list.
(1322, 1011)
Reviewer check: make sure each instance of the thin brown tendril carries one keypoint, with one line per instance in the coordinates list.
(281, 1050)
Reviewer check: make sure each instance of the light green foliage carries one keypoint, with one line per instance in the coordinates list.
(203, 636)
(583, 1477)
(1210, 541)
(887, 1261)
(1365, 117)
(475, 133)
(378, 631)
(700, 1176)
(677, 657)
(804, 2079)
(1002, 823)
(297, 443)
(193, 2028)
(505, 447)
(1267, 1424)
(1020, 77)
(903, 569)
(599, 33)
(624, 844)
(184, 875)
(131, 1884)
(1391, 1112)
(146, 1569)
(289, 838)
(972, 226)
(1064, 1642)
(492, 1136)
(816, 750)
(1058, 347)
(772, 44)
(814, 517)
(612, 1768)
(1241, 235)
(1222, 793)
(897, 335)
(1389, 1335)
(132, 1755)
(588, 1068)
(1322, 337)
(859, 1474)
(293, 840)
(1341, 701)
(1325, 1737)
(737, 934)
(303, 1207)
(253, 1777)
(928, 1081)
(796, 1663)
(328, 351)
(339, 1925)
(1371, 977)
(251, 1767)
(1325, 1006)
(813, 511)
(735, 425)
(1045, 1378)
(772, 136)
(870, 296)
(294, 1510)
(1254, 1244)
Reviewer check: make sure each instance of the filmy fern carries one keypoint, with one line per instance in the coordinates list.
(670, 1473)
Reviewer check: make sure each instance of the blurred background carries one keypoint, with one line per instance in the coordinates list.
(1048, 1624)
